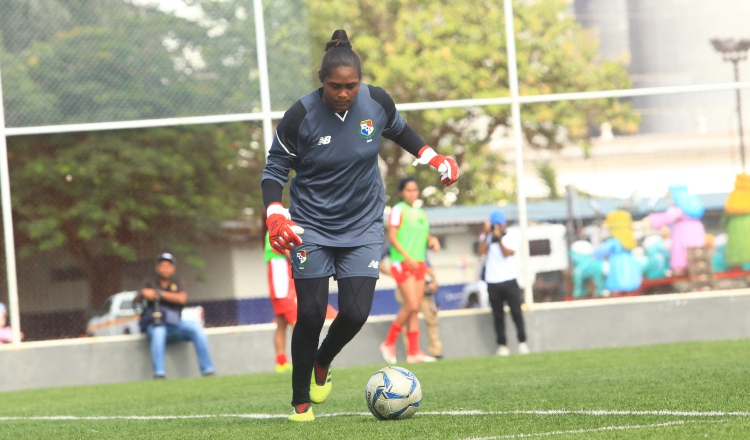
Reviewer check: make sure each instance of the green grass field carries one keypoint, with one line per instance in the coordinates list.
(690, 390)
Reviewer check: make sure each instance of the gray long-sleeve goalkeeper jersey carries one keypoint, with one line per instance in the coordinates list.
(337, 195)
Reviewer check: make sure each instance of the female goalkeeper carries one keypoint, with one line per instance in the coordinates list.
(331, 139)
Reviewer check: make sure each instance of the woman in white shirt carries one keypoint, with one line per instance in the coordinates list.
(500, 273)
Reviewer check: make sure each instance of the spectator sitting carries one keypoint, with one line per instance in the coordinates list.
(165, 295)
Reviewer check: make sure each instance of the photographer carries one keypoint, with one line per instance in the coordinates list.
(500, 273)
(165, 297)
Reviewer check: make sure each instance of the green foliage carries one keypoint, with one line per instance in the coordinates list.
(695, 378)
(112, 197)
(107, 197)
(420, 50)
(25, 98)
(142, 63)
(549, 176)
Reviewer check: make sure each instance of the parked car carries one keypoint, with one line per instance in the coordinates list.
(119, 316)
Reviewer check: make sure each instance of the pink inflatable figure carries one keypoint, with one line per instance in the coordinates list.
(683, 219)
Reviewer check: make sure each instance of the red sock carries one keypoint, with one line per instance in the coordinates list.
(393, 334)
(281, 358)
(321, 373)
(413, 342)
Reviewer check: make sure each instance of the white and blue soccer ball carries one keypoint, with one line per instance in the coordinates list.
(393, 393)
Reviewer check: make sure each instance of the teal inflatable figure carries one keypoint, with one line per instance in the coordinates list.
(586, 269)
(719, 259)
(625, 272)
(657, 258)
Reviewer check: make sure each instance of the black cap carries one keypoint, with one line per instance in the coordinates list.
(166, 256)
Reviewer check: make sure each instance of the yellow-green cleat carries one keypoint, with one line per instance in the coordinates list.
(302, 413)
(320, 384)
(283, 368)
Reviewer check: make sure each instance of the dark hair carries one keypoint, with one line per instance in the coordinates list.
(402, 183)
(339, 53)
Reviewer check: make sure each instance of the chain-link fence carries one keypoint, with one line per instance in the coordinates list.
(93, 209)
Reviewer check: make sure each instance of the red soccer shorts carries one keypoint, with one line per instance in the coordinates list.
(283, 294)
(286, 308)
(401, 271)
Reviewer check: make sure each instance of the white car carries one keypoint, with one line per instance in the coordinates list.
(118, 316)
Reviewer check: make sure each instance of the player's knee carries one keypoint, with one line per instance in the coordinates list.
(352, 319)
(414, 305)
(311, 320)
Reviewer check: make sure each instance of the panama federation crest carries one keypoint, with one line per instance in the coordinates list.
(366, 128)
(301, 257)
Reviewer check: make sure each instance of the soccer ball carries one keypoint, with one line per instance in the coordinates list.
(393, 393)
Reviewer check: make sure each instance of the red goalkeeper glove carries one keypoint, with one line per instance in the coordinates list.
(282, 232)
(446, 166)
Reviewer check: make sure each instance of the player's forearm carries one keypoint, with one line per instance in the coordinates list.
(174, 297)
(482, 247)
(272, 191)
(410, 140)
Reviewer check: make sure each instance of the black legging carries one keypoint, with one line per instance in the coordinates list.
(355, 301)
(499, 294)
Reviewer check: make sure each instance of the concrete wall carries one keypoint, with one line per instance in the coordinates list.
(240, 350)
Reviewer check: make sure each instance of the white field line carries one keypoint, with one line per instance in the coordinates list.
(423, 413)
(583, 431)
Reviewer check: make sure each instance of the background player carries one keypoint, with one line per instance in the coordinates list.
(429, 304)
(331, 139)
(283, 300)
(409, 234)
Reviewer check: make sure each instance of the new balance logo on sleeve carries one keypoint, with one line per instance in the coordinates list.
(374, 264)
(324, 140)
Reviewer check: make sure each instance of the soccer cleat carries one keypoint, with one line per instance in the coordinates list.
(320, 384)
(419, 357)
(389, 353)
(302, 413)
(283, 368)
(523, 348)
(502, 351)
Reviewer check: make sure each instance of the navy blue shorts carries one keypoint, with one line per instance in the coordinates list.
(316, 261)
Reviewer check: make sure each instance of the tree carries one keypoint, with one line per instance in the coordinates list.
(419, 50)
(24, 99)
(108, 197)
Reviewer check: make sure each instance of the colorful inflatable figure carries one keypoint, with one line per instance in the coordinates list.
(719, 258)
(625, 273)
(586, 269)
(657, 258)
(736, 222)
(685, 227)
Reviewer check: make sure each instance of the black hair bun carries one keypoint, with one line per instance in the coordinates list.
(338, 38)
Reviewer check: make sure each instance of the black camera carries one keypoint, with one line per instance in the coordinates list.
(156, 315)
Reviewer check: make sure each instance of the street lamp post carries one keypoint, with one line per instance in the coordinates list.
(735, 51)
